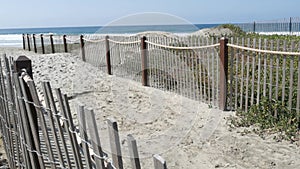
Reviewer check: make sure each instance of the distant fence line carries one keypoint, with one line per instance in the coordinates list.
(167, 63)
(230, 76)
(42, 136)
(286, 26)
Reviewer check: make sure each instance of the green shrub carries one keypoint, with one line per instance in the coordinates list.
(270, 116)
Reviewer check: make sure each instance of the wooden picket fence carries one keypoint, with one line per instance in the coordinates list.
(228, 75)
(185, 65)
(263, 69)
(43, 135)
(231, 75)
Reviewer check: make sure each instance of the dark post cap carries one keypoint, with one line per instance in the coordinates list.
(23, 62)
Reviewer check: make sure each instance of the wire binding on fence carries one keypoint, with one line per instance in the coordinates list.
(264, 51)
(124, 43)
(7, 101)
(94, 40)
(73, 40)
(29, 149)
(182, 48)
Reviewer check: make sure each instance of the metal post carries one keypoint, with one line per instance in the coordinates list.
(65, 43)
(23, 36)
(144, 55)
(223, 73)
(52, 44)
(108, 63)
(82, 48)
(254, 27)
(28, 42)
(290, 25)
(42, 42)
(34, 43)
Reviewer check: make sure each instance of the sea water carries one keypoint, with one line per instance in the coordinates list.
(13, 37)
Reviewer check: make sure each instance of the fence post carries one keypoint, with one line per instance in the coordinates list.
(65, 43)
(42, 42)
(34, 43)
(28, 42)
(23, 36)
(133, 152)
(96, 144)
(115, 143)
(19, 65)
(223, 73)
(52, 44)
(108, 63)
(159, 162)
(82, 48)
(144, 55)
(290, 25)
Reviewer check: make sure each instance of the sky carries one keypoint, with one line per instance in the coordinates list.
(63, 13)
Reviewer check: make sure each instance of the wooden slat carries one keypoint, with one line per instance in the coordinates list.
(27, 139)
(14, 114)
(30, 110)
(96, 143)
(208, 72)
(218, 74)
(291, 87)
(298, 93)
(265, 69)
(9, 89)
(41, 116)
(49, 114)
(115, 143)
(231, 94)
(133, 152)
(283, 68)
(83, 135)
(242, 78)
(214, 72)
(57, 123)
(204, 71)
(277, 70)
(247, 76)
(69, 126)
(73, 133)
(253, 57)
(200, 80)
(271, 71)
(24, 125)
(159, 162)
(259, 72)
(8, 134)
(237, 53)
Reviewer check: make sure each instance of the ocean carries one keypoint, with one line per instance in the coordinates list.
(13, 37)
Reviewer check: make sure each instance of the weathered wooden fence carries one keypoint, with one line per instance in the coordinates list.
(42, 135)
(230, 75)
(188, 65)
(263, 69)
(286, 26)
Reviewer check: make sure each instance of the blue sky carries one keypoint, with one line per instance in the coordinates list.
(54, 13)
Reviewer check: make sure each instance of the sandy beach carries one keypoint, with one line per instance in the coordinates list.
(186, 133)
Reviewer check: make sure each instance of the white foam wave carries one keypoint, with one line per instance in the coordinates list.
(11, 40)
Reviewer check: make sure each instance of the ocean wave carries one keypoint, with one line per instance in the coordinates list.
(12, 40)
